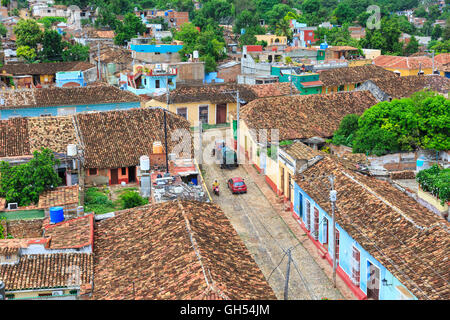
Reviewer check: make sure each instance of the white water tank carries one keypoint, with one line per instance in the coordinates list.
(145, 163)
(195, 54)
(71, 150)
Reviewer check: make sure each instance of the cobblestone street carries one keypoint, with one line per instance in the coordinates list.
(268, 237)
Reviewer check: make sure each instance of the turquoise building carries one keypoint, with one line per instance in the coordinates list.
(305, 82)
(72, 78)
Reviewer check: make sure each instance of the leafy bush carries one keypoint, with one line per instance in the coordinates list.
(131, 199)
(421, 121)
(25, 182)
(436, 181)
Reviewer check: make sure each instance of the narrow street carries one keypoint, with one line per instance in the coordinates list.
(266, 235)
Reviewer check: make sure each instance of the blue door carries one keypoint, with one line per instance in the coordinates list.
(300, 205)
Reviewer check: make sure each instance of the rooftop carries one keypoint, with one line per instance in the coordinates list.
(70, 234)
(402, 87)
(48, 97)
(300, 117)
(117, 139)
(44, 68)
(351, 75)
(186, 250)
(398, 62)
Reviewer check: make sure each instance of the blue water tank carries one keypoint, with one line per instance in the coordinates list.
(56, 214)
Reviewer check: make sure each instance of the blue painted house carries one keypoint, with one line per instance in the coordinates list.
(151, 79)
(63, 101)
(70, 78)
(388, 246)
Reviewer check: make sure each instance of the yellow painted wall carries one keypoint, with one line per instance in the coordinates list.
(193, 109)
(357, 63)
(347, 87)
(270, 39)
(410, 72)
(44, 79)
(32, 294)
(287, 171)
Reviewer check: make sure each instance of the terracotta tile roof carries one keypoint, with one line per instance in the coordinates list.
(214, 93)
(412, 242)
(45, 67)
(47, 271)
(74, 233)
(115, 55)
(65, 96)
(402, 87)
(341, 48)
(54, 133)
(299, 150)
(14, 140)
(312, 83)
(351, 75)
(299, 117)
(444, 67)
(60, 196)
(398, 62)
(22, 229)
(116, 139)
(273, 89)
(162, 262)
(443, 58)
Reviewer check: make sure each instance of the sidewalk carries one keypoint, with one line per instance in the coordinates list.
(296, 230)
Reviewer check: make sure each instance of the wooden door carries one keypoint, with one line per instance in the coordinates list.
(221, 113)
(289, 186)
(316, 223)
(131, 174)
(307, 214)
(114, 176)
(356, 258)
(282, 181)
(373, 282)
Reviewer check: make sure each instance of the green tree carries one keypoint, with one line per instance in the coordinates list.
(131, 199)
(3, 30)
(25, 182)
(423, 120)
(75, 52)
(311, 6)
(27, 33)
(347, 129)
(52, 46)
(27, 53)
(132, 25)
(344, 13)
(436, 33)
(412, 46)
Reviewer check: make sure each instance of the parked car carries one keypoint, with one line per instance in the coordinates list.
(237, 185)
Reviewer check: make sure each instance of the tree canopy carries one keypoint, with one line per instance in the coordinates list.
(25, 182)
(421, 121)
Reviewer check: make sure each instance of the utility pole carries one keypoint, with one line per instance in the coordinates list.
(286, 284)
(99, 66)
(290, 78)
(238, 107)
(165, 125)
(333, 196)
(432, 71)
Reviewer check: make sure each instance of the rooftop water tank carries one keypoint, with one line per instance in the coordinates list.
(71, 150)
(157, 147)
(145, 163)
(56, 214)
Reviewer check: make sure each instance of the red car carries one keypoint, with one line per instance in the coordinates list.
(237, 185)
